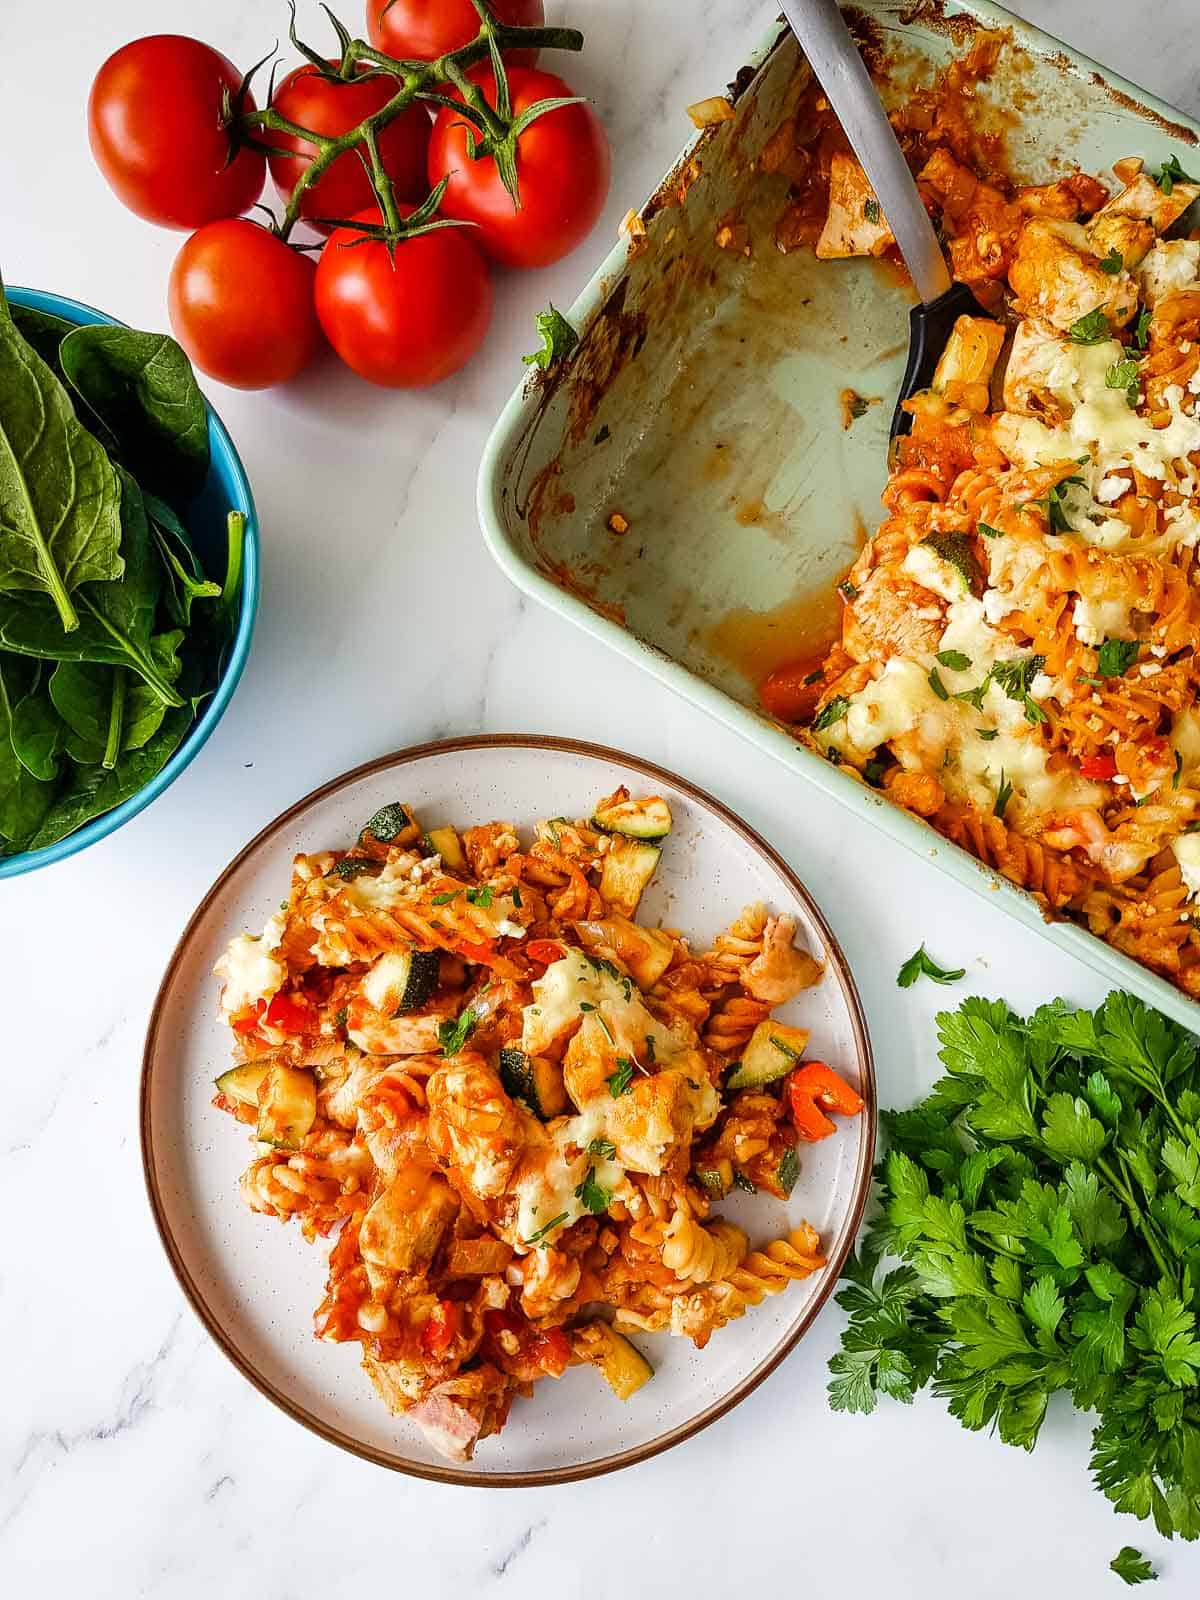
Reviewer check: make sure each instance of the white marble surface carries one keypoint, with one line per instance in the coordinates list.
(133, 1459)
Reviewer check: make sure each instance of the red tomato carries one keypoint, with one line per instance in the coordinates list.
(438, 1332)
(552, 1351)
(247, 1021)
(334, 106)
(1099, 768)
(408, 318)
(788, 695)
(422, 30)
(241, 305)
(544, 952)
(156, 124)
(291, 1013)
(563, 166)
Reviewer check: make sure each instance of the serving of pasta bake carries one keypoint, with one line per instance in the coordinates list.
(513, 1107)
(1018, 656)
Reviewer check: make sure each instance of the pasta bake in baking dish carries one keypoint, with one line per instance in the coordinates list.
(1018, 657)
(514, 1107)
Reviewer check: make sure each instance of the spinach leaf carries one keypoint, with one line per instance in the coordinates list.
(142, 389)
(184, 580)
(38, 733)
(115, 619)
(44, 332)
(81, 692)
(24, 799)
(60, 502)
(92, 790)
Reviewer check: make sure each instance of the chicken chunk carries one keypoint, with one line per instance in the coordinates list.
(1056, 276)
(551, 1276)
(1129, 237)
(1066, 198)
(1028, 378)
(855, 225)
(415, 1034)
(982, 224)
(473, 1125)
(405, 1223)
(1171, 267)
(659, 1115)
(1142, 197)
(780, 971)
(892, 616)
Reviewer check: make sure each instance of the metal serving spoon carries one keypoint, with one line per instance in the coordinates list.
(838, 67)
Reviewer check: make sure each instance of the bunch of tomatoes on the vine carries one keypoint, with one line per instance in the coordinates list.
(422, 155)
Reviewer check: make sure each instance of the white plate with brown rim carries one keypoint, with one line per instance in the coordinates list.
(255, 1283)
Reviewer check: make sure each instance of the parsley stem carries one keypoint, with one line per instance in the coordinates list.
(1141, 1221)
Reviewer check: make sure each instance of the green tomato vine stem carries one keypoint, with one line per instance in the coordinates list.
(418, 80)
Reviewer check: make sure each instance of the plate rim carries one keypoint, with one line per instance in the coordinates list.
(673, 1436)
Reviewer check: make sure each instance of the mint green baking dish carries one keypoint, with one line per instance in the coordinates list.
(704, 407)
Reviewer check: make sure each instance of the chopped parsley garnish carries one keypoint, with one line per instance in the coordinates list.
(974, 697)
(873, 772)
(954, 659)
(453, 1034)
(988, 532)
(351, 867)
(602, 1149)
(608, 1034)
(388, 822)
(1015, 678)
(516, 897)
(835, 711)
(938, 687)
(622, 1078)
(481, 896)
(1141, 328)
(1125, 375)
(1131, 1566)
(743, 1182)
(558, 339)
(847, 590)
(1052, 503)
(989, 733)
(921, 965)
(1178, 770)
(859, 407)
(445, 899)
(594, 1196)
(586, 1005)
(1116, 657)
(1003, 795)
(871, 210)
(342, 1017)
(1092, 329)
(539, 1236)
(1112, 262)
(814, 677)
(1171, 173)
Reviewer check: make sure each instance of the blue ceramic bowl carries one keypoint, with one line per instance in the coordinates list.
(227, 490)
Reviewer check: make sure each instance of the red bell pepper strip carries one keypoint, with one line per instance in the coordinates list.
(544, 952)
(812, 1090)
(1099, 768)
(291, 1013)
(441, 1328)
(247, 1021)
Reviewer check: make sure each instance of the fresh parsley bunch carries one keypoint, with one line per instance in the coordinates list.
(1044, 1201)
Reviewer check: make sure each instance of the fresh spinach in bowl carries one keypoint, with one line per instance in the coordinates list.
(112, 635)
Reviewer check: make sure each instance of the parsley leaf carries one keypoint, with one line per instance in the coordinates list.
(1003, 795)
(1132, 1566)
(954, 659)
(1112, 262)
(594, 1196)
(558, 339)
(988, 532)
(622, 1078)
(1125, 375)
(1141, 328)
(921, 965)
(481, 896)
(602, 1149)
(445, 899)
(540, 1236)
(989, 733)
(1171, 173)
(938, 687)
(1116, 657)
(835, 711)
(453, 1035)
(1091, 329)
(871, 210)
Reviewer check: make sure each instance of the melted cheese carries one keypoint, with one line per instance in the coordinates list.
(575, 982)
(1097, 620)
(1171, 266)
(546, 1183)
(924, 566)
(250, 971)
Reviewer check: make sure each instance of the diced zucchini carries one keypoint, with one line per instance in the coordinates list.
(788, 1170)
(636, 819)
(772, 1051)
(241, 1083)
(629, 864)
(402, 980)
(625, 1368)
(445, 842)
(652, 959)
(714, 1177)
(287, 1106)
(393, 824)
(536, 1080)
(955, 550)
